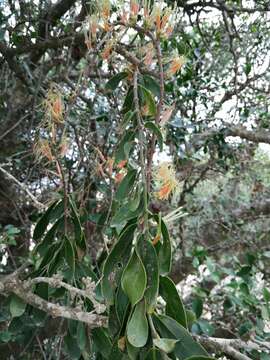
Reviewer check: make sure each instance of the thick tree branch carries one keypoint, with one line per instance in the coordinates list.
(231, 347)
(11, 284)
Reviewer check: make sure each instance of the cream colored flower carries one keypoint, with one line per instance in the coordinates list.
(165, 181)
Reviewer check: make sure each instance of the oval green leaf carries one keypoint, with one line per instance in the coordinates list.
(149, 258)
(137, 328)
(186, 345)
(117, 257)
(17, 306)
(134, 279)
(126, 185)
(174, 306)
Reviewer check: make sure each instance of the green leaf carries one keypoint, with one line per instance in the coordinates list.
(148, 256)
(81, 336)
(151, 85)
(197, 307)
(155, 130)
(121, 152)
(124, 214)
(115, 262)
(79, 235)
(49, 237)
(133, 279)
(149, 100)
(113, 83)
(43, 222)
(69, 254)
(174, 306)
(128, 102)
(206, 327)
(186, 345)
(191, 318)
(126, 185)
(72, 348)
(137, 327)
(17, 306)
(166, 345)
(5, 336)
(266, 294)
(101, 341)
(164, 250)
(200, 358)
(132, 351)
(155, 354)
(121, 304)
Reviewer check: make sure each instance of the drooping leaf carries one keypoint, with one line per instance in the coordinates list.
(156, 131)
(133, 279)
(126, 185)
(164, 250)
(43, 223)
(72, 347)
(197, 306)
(174, 306)
(155, 354)
(148, 256)
(137, 327)
(101, 341)
(151, 85)
(166, 345)
(200, 358)
(186, 345)
(148, 100)
(70, 254)
(128, 102)
(115, 262)
(81, 336)
(17, 306)
(49, 237)
(113, 83)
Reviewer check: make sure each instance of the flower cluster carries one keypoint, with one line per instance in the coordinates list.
(165, 181)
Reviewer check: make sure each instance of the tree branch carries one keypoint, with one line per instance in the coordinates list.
(11, 284)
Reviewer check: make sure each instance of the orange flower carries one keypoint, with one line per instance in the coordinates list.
(156, 239)
(105, 9)
(106, 53)
(176, 64)
(121, 164)
(110, 162)
(119, 177)
(134, 8)
(166, 181)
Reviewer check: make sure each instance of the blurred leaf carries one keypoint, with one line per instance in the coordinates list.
(17, 306)
(166, 345)
(113, 83)
(156, 131)
(197, 306)
(126, 185)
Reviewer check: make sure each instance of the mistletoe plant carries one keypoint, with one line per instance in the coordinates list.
(123, 305)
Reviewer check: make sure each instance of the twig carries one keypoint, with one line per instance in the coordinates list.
(38, 204)
(141, 144)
